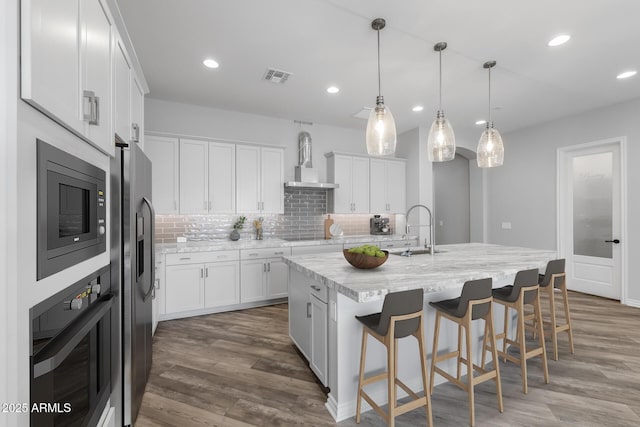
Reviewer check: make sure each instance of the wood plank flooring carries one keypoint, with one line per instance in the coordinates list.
(240, 369)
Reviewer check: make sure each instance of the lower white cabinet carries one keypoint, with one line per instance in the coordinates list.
(254, 281)
(319, 356)
(184, 288)
(299, 313)
(221, 284)
(264, 278)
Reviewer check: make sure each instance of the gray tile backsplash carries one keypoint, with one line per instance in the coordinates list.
(303, 219)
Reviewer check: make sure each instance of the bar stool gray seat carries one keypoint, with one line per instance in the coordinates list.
(524, 291)
(474, 303)
(401, 316)
(554, 278)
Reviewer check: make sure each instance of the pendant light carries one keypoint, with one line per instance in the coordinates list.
(381, 128)
(490, 152)
(442, 142)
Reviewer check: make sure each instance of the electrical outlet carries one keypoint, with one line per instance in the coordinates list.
(441, 223)
(506, 226)
(182, 240)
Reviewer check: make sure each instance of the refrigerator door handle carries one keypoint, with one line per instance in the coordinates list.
(152, 211)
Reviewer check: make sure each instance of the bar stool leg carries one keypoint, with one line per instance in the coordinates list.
(363, 355)
(538, 320)
(470, 385)
(523, 345)
(434, 353)
(554, 331)
(423, 365)
(458, 363)
(506, 328)
(565, 296)
(495, 360)
(391, 365)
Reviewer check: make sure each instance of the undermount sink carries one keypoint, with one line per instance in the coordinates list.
(418, 252)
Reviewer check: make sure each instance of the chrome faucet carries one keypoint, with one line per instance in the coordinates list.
(432, 244)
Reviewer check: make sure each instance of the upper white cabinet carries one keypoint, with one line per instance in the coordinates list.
(66, 50)
(122, 92)
(352, 174)
(207, 177)
(387, 188)
(259, 179)
(137, 111)
(163, 153)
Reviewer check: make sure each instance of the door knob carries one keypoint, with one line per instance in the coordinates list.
(616, 241)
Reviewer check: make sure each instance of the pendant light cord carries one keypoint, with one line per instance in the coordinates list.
(379, 84)
(489, 94)
(440, 80)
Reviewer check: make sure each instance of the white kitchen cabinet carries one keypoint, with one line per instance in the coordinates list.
(263, 274)
(137, 112)
(352, 174)
(66, 50)
(316, 249)
(300, 313)
(122, 92)
(318, 360)
(398, 244)
(164, 155)
(156, 296)
(194, 184)
(278, 278)
(259, 179)
(222, 284)
(253, 282)
(222, 178)
(184, 288)
(387, 187)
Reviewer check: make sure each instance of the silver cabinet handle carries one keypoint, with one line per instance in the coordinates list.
(135, 132)
(92, 103)
(264, 268)
(308, 310)
(201, 273)
(253, 254)
(221, 256)
(182, 259)
(269, 267)
(315, 288)
(278, 253)
(389, 245)
(158, 283)
(206, 272)
(175, 205)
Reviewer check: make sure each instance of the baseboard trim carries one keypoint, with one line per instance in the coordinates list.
(201, 312)
(632, 302)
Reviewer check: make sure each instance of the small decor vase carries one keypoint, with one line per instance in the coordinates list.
(235, 235)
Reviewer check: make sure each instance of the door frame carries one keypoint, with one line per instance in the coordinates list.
(561, 155)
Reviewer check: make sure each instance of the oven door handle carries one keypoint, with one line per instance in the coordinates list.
(152, 211)
(54, 353)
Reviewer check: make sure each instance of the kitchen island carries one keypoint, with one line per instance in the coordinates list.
(326, 293)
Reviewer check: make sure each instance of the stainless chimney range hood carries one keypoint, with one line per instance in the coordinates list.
(306, 176)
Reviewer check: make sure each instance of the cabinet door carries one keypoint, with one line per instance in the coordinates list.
(50, 58)
(318, 362)
(272, 180)
(360, 184)
(122, 91)
(184, 288)
(378, 186)
(248, 179)
(194, 161)
(396, 186)
(137, 112)
(222, 178)
(222, 284)
(342, 202)
(252, 281)
(278, 273)
(97, 41)
(163, 153)
(300, 313)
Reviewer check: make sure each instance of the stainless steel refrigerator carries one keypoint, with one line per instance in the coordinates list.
(132, 272)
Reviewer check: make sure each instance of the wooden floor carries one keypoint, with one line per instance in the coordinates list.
(240, 368)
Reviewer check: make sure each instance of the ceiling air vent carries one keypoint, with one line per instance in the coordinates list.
(276, 76)
(363, 114)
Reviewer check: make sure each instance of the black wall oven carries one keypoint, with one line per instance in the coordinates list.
(71, 210)
(71, 357)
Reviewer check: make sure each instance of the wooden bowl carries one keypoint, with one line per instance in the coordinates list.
(363, 261)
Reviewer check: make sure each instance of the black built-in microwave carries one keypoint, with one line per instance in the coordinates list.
(71, 210)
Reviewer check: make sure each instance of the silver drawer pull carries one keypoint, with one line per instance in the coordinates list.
(316, 288)
(278, 253)
(253, 254)
(182, 259)
(389, 246)
(222, 256)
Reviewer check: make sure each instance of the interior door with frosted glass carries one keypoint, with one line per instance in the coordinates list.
(590, 219)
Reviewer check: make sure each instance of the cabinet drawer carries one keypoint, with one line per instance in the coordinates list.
(264, 253)
(320, 291)
(315, 249)
(394, 244)
(201, 257)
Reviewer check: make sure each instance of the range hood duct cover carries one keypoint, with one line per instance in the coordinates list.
(306, 176)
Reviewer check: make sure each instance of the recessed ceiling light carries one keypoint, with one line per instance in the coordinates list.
(481, 122)
(333, 89)
(558, 40)
(627, 74)
(417, 108)
(210, 63)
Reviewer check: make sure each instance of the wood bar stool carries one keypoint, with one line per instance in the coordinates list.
(555, 278)
(474, 303)
(401, 316)
(523, 292)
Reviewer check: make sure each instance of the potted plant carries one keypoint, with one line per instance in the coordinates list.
(235, 233)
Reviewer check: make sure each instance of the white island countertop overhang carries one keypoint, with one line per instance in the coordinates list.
(445, 270)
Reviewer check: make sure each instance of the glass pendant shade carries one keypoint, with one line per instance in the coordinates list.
(490, 151)
(381, 131)
(442, 142)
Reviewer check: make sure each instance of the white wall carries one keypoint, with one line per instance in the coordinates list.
(185, 119)
(523, 190)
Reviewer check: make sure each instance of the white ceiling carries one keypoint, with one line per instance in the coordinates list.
(330, 42)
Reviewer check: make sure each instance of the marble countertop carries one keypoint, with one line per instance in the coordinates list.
(446, 270)
(222, 245)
